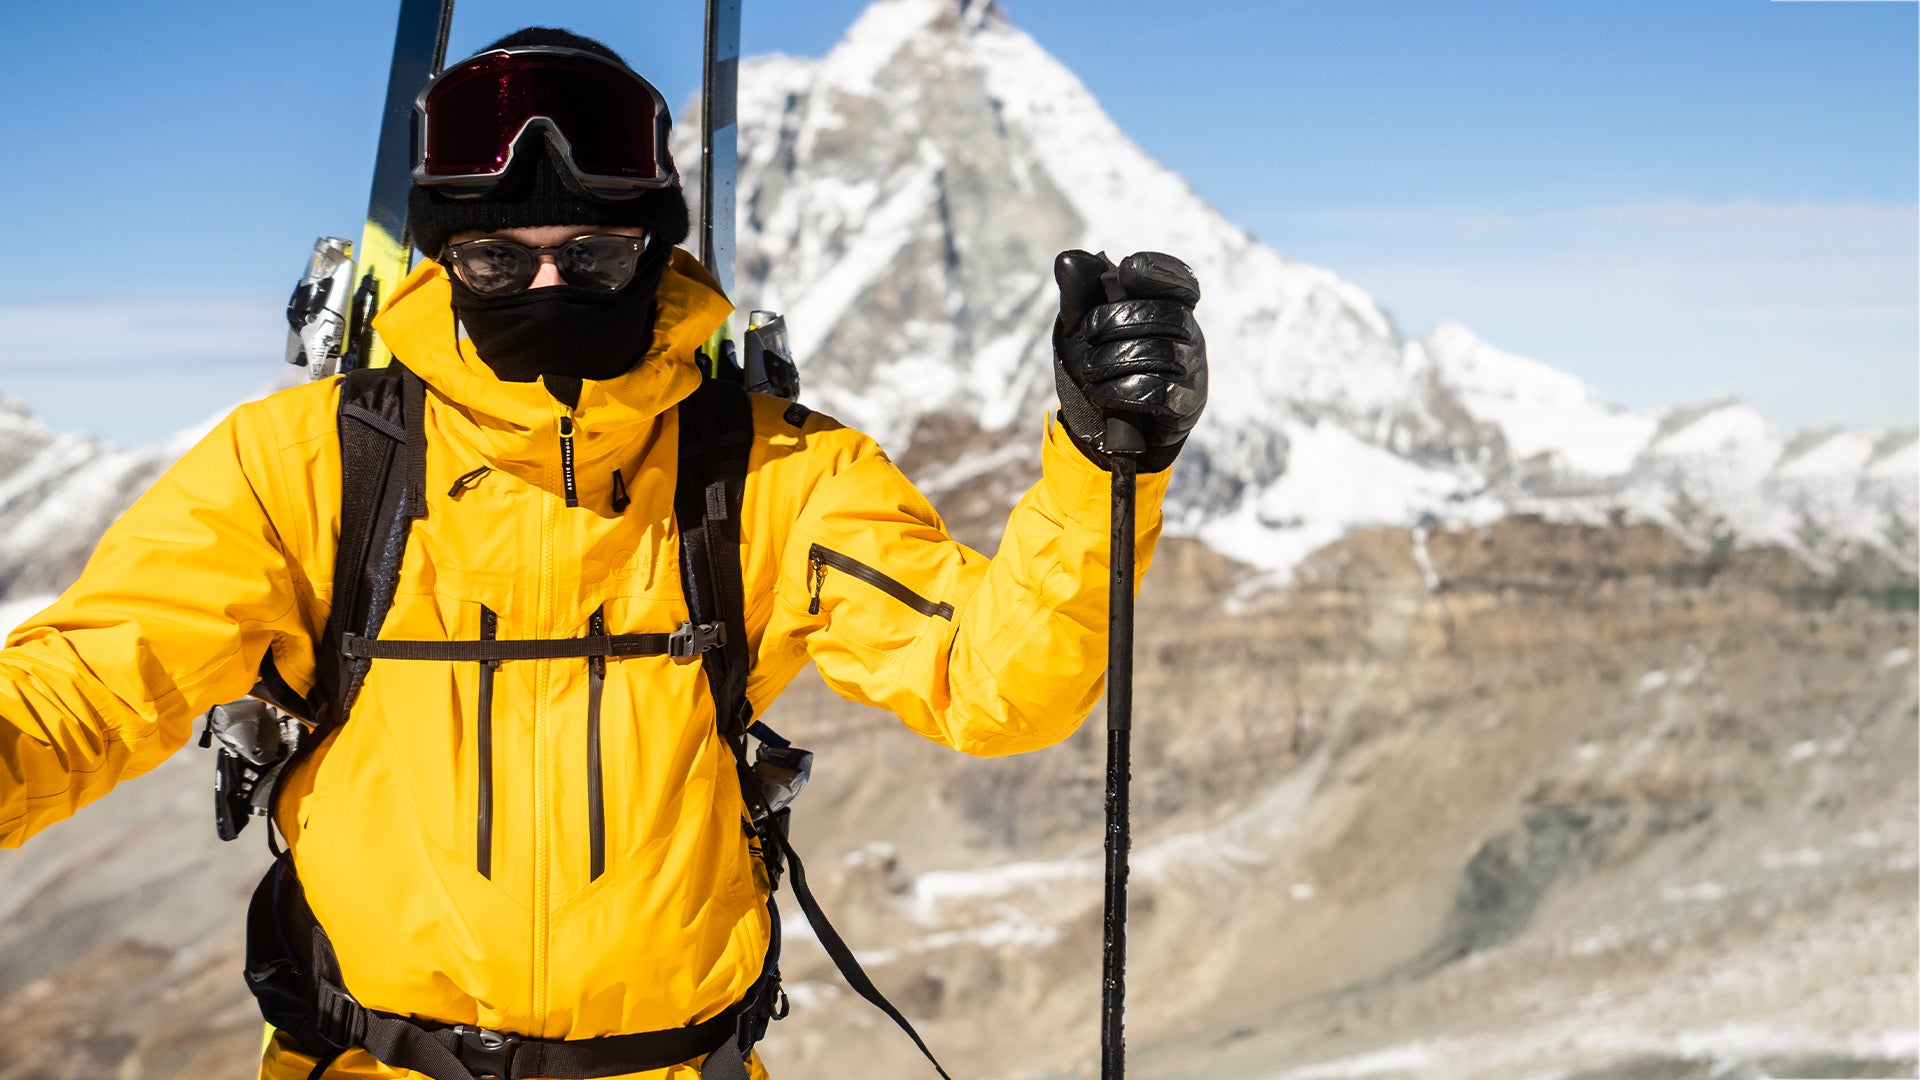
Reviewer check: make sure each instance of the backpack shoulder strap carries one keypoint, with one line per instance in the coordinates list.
(716, 437)
(383, 466)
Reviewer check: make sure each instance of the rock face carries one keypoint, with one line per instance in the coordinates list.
(1485, 729)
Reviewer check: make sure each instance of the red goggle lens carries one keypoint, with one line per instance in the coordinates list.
(614, 123)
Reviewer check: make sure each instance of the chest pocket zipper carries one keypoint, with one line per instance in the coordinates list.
(820, 558)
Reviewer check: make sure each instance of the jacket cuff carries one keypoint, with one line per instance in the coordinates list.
(1084, 489)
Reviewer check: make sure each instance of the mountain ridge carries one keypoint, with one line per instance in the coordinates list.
(875, 215)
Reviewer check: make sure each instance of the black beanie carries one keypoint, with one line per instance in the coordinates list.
(539, 190)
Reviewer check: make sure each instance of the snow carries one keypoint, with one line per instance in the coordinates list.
(814, 313)
(1842, 453)
(1733, 434)
(1900, 657)
(1417, 1057)
(942, 887)
(881, 32)
(1899, 461)
(1335, 482)
(1538, 409)
(1651, 681)
(1705, 892)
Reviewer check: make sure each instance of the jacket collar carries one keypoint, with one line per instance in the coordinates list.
(517, 421)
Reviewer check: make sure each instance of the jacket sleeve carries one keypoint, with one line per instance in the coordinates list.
(989, 656)
(176, 607)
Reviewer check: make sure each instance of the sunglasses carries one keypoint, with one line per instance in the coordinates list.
(602, 262)
(609, 124)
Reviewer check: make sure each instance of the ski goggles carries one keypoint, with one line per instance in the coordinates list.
(609, 124)
(491, 267)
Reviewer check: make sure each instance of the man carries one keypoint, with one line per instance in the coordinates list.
(551, 860)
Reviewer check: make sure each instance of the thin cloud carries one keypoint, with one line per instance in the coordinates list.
(139, 370)
(1754, 215)
(114, 331)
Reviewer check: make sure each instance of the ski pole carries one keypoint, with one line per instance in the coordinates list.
(1123, 442)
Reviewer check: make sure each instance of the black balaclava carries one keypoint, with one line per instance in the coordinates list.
(562, 332)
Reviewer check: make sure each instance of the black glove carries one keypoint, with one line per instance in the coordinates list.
(1125, 344)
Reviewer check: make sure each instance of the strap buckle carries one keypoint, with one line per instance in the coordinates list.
(767, 1004)
(690, 640)
(486, 1054)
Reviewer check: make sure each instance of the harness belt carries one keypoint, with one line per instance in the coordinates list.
(460, 1052)
(292, 968)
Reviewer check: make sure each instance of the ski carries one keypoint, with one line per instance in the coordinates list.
(419, 51)
(720, 166)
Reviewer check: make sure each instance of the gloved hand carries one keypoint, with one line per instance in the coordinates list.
(1126, 344)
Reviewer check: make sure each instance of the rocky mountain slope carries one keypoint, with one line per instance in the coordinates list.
(1574, 802)
(1487, 730)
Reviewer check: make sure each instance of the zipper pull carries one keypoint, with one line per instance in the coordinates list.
(819, 571)
(468, 480)
(566, 460)
(620, 500)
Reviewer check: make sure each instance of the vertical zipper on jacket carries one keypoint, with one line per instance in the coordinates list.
(566, 460)
(483, 861)
(553, 520)
(596, 797)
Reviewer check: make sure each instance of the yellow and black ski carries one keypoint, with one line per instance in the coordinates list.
(329, 317)
(419, 51)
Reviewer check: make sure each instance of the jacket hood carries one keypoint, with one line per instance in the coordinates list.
(418, 324)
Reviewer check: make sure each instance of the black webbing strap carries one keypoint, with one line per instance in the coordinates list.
(716, 437)
(836, 946)
(593, 646)
(413, 407)
(458, 1052)
(382, 489)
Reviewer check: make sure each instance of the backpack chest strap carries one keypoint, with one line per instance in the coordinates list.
(683, 644)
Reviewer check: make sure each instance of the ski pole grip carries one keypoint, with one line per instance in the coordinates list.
(1122, 435)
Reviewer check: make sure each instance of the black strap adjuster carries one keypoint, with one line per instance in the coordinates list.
(486, 1054)
(690, 640)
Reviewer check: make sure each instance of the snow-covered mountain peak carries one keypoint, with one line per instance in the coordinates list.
(902, 201)
(1539, 411)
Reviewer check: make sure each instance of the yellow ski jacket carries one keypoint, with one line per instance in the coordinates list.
(846, 565)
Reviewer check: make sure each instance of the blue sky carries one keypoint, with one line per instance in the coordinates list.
(1675, 201)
